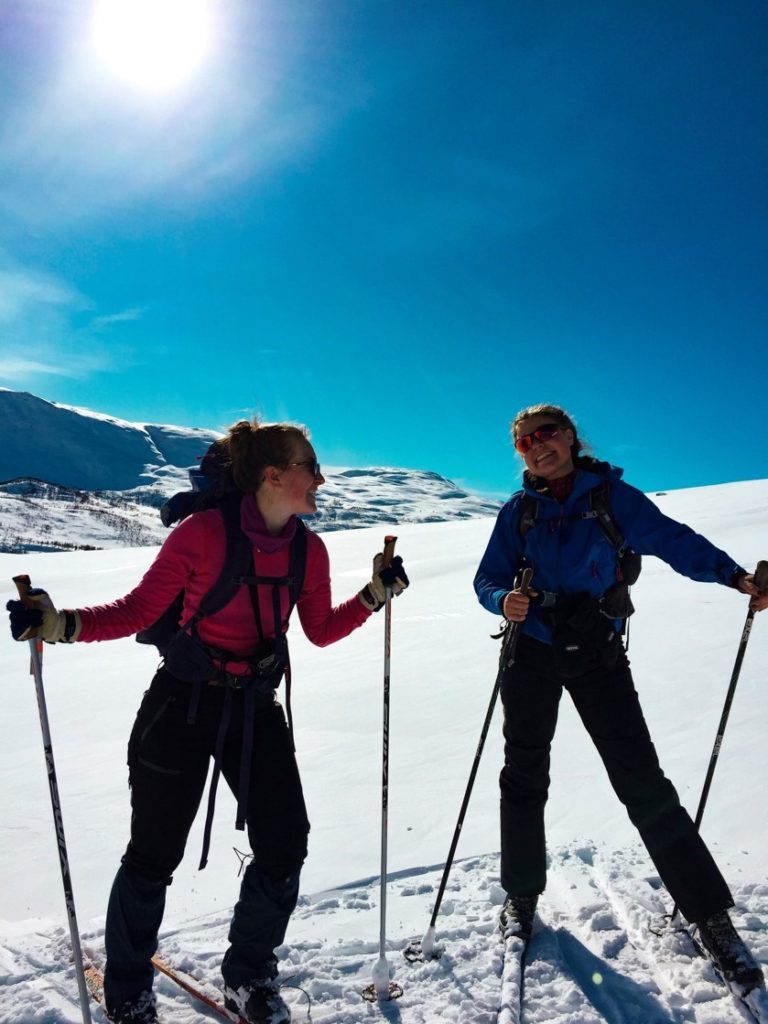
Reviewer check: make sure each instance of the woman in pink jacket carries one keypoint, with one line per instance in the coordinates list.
(214, 696)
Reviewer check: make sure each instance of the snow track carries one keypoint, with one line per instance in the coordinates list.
(593, 956)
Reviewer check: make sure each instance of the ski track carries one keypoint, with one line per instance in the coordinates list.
(643, 969)
(592, 958)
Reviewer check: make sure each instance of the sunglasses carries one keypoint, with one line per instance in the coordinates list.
(312, 465)
(545, 432)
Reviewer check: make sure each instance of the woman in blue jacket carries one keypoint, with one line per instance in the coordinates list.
(571, 623)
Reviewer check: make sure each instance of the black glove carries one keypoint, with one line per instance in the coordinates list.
(374, 594)
(42, 620)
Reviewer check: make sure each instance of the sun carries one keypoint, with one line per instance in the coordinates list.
(153, 44)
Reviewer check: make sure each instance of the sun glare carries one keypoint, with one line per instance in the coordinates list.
(154, 44)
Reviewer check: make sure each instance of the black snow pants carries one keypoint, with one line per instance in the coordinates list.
(168, 758)
(608, 705)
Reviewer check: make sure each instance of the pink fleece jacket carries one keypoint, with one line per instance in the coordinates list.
(191, 559)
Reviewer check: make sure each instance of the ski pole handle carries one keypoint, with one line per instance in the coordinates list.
(761, 577)
(23, 586)
(389, 550)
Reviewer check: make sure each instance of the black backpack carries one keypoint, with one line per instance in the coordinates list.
(235, 572)
(212, 487)
(211, 483)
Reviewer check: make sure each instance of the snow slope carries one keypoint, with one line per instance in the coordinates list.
(593, 957)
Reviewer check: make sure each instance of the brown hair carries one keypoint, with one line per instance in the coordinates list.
(564, 420)
(252, 446)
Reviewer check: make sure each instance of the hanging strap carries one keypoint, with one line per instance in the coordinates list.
(246, 756)
(282, 644)
(218, 758)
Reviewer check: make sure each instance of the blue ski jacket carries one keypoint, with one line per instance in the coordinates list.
(571, 555)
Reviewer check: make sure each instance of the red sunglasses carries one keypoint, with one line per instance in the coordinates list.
(545, 432)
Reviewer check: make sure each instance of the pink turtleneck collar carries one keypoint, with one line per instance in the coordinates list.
(255, 529)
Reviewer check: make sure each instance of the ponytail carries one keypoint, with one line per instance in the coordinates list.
(251, 448)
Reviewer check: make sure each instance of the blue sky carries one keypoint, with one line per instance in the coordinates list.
(398, 222)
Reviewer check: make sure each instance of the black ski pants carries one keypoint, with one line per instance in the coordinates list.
(608, 705)
(169, 758)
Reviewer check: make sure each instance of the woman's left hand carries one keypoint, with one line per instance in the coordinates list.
(391, 577)
(747, 585)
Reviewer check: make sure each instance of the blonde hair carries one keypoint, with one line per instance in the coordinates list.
(252, 446)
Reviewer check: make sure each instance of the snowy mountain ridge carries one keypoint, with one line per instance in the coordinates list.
(66, 471)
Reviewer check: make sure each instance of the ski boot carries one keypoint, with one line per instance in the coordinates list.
(729, 954)
(141, 1010)
(517, 915)
(259, 1002)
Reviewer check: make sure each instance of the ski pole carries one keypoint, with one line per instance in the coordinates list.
(506, 659)
(23, 585)
(761, 582)
(381, 987)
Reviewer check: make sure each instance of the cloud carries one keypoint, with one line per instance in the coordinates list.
(50, 328)
(22, 290)
(127, 315)
(22, 369)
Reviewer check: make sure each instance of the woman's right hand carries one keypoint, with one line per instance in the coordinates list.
(36, 616)
(515, 605)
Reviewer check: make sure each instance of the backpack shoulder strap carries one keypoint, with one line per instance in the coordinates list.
(238, 568)
(529, 510)
(237, 559)
(298, 565)
(600, 509)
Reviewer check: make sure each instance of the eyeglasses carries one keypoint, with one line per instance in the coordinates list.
(545, 432)
(312, 465)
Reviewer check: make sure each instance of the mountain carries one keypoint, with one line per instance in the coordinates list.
(87, 450)
(68, 472)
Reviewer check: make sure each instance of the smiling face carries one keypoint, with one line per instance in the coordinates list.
(549, 458)
(298, 481)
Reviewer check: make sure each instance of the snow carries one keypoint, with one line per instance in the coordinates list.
(593, 957)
